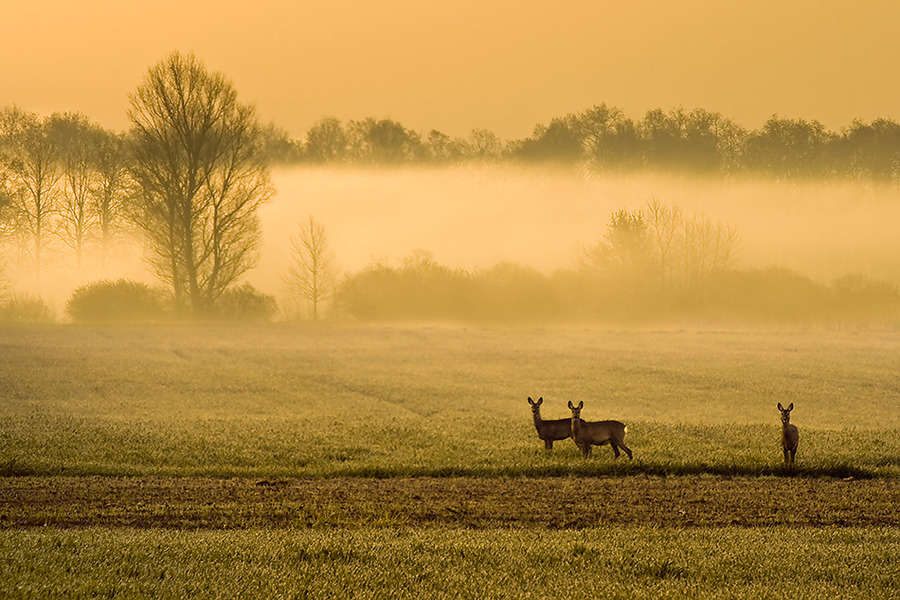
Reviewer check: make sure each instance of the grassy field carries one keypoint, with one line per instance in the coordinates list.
(399, 461)
(617, 562)
(329, 401)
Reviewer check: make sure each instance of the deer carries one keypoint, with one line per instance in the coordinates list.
(549, 431)
(597, 433)
(790, 435)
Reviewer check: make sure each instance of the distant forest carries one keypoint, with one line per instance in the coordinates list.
(66, 181)
(603, 139)
(600, 139)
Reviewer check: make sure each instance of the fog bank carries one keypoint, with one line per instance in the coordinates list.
(474, 217)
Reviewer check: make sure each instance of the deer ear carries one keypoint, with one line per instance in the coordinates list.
(571, 406)
(791, 407)
(530, 401)
(540, 400)
(780, 407)
(581, 404)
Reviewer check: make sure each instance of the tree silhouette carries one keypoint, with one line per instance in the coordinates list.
(114, 190)
(31, 161)
(326, 141)
(311, 276)
(78, 141)
(196, 159)
(626, 252)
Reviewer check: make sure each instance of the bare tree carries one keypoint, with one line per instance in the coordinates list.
(6, 220)
(663, 224)
(114, 187)
(30, 158)
(76, 138)
(6, 192)
(311, 276)
(202, 178)
(707, 247)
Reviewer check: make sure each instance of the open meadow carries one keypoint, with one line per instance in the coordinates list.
(402, 461)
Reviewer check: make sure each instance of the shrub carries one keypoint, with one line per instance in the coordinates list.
(26, 309)
(245, 303)
(122, 300)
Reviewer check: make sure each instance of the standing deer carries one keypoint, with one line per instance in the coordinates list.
(597, 433)
(790, 435)
(549, 431)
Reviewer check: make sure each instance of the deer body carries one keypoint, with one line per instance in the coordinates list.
(597, 433)
(790, 435)
(549, 431)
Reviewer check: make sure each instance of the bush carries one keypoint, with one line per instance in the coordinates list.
(245, 303)
(26, 309)
(122, 300)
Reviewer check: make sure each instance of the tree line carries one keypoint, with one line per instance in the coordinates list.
(653, 265)
(188, 176)
(603, 139)
(185, 180)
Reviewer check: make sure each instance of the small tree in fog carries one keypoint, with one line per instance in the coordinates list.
(311, 276)
(708, 247)
(626, 251)
(663, 226)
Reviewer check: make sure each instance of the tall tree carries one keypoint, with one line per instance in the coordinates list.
(312, 275)
(789, 148)
(383, 142)
(484, 145)
(202, 177)
(442, 149)
(31, 162)
(326, 141)
(114, 186)
(77, 139)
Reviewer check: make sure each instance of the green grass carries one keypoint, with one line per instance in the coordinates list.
(288, 447)
(385, 401)
(284, 401)
(618, 562)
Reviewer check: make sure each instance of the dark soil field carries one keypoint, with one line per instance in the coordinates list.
(476, 503)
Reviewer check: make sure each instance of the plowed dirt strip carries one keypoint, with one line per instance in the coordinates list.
(554, 503)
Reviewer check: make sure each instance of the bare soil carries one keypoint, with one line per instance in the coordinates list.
(552, 503)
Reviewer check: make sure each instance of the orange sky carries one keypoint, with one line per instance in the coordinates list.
(461, 64)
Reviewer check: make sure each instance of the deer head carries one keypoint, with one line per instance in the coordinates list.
(786, 412)
(576, 410)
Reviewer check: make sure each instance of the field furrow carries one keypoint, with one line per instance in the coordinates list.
(476, 503)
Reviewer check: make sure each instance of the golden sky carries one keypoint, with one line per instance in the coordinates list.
(461, 64)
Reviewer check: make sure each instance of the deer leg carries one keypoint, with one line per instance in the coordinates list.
(793, 452)
(787, 456)
(627, 450)
(548, 444)
(615, 449)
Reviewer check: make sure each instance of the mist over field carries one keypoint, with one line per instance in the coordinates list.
(474, 217)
